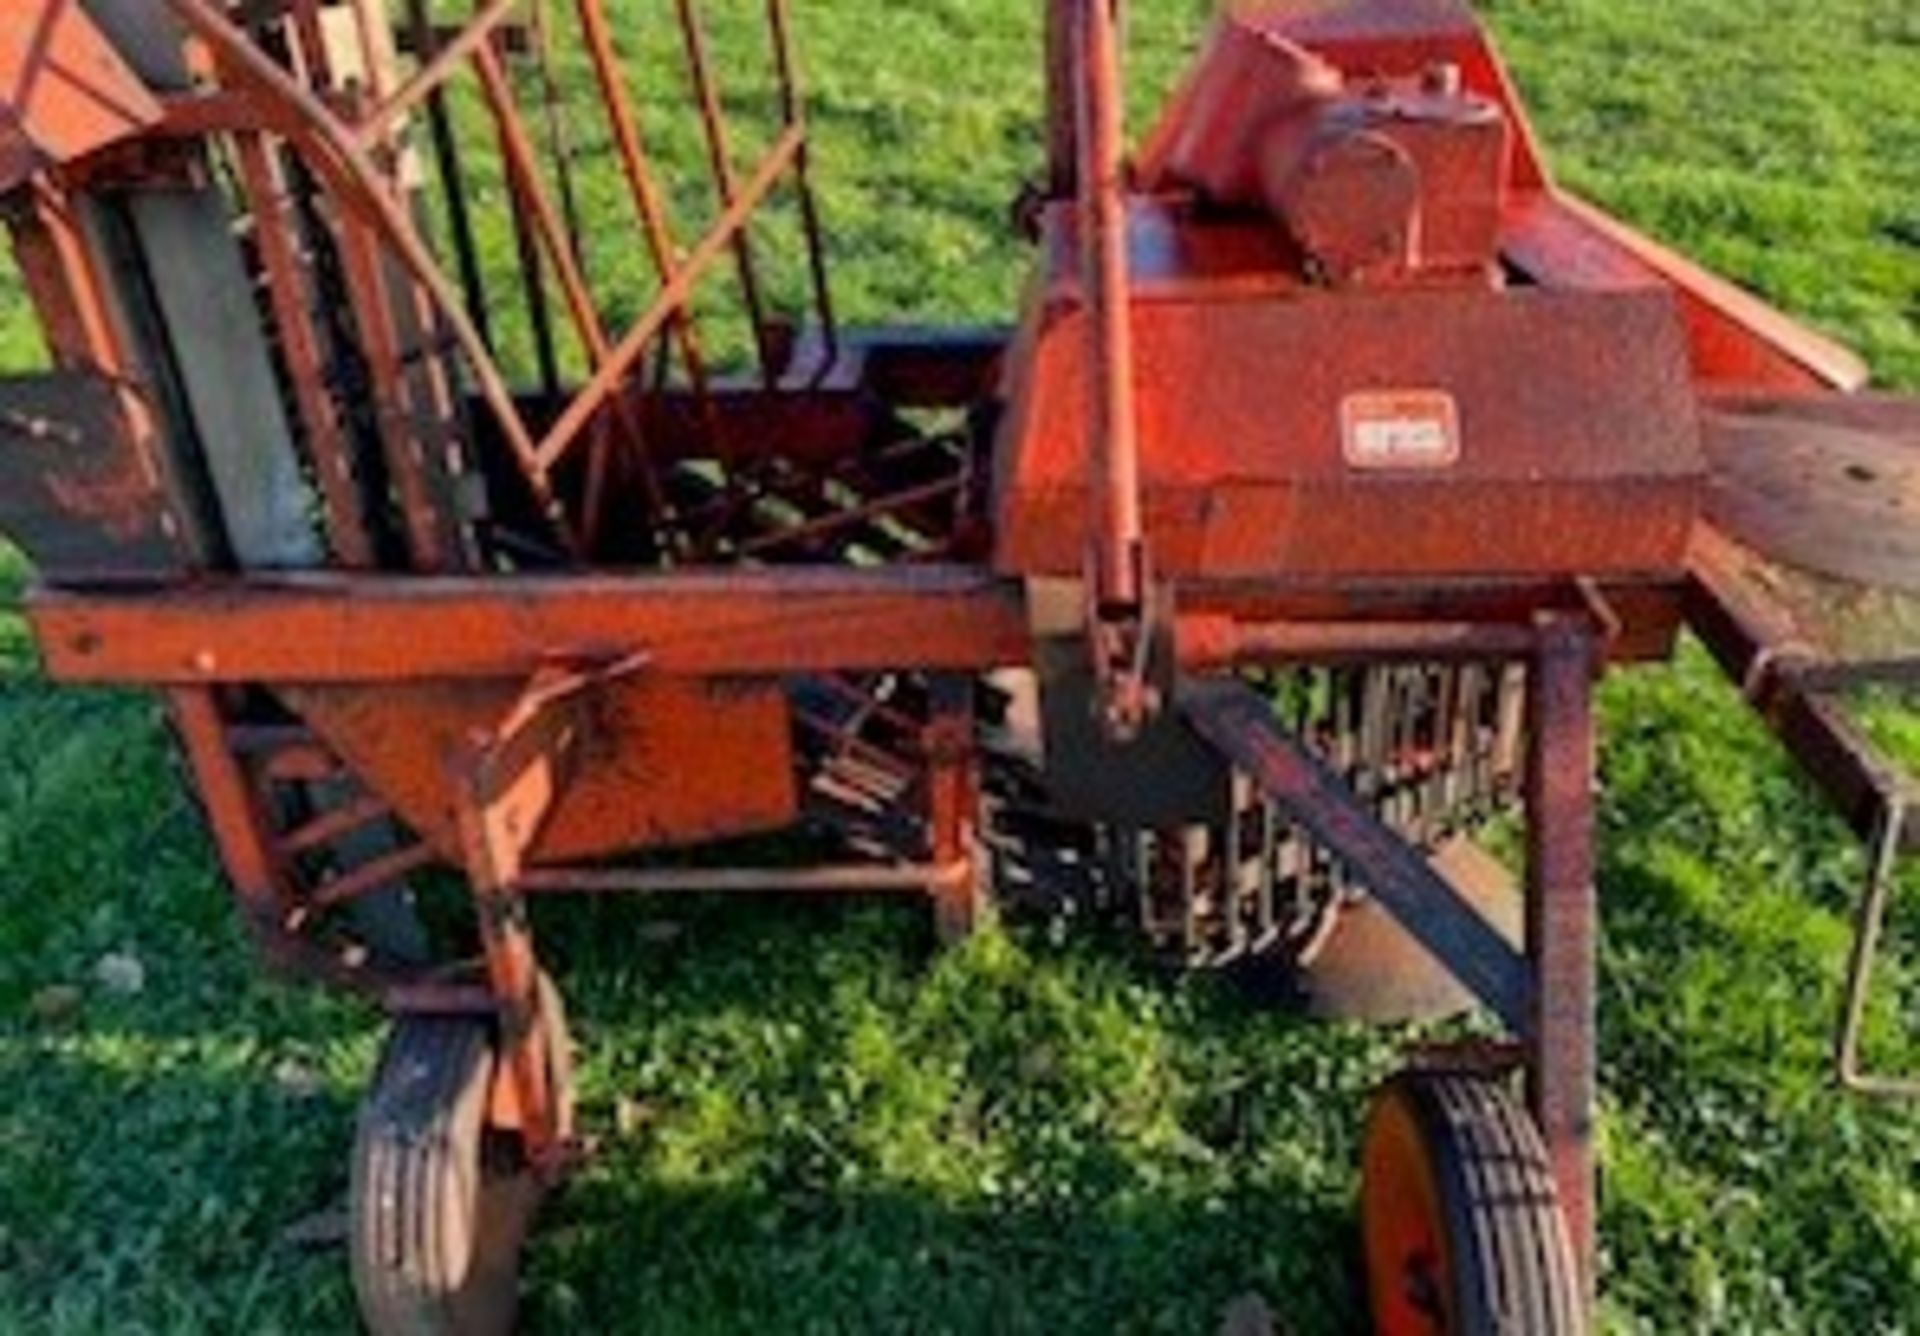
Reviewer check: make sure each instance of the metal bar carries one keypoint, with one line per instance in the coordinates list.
(1210, 642)
(559, 141)
(671, 297)
(847, 742)
(870, 510)
(433, 998)
(297, 763)
(1869, 925)
(720, 159)
(239, 827)
(533, 292)
(953, 803)
(858, 879)
(647, 198)
(1240, 725)
(507, 781)
(523, 168)
(1759, 646)
(1113, 452)
(380, 341)
(441, 66)
(312, 42)
(370, 877)
(1061, 110)
(326, 441)
(792, 113)
(367, 24)
(870, 708)
(453, 190)
(327, 628)
(330, 826)
(1563, 922)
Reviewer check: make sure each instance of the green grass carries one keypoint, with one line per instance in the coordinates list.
(812, 1121)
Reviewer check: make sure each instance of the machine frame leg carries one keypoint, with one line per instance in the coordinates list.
(953, 803)
(1563, 922)
(507, 781)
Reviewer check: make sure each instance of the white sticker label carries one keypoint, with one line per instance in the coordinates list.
(1401, 429)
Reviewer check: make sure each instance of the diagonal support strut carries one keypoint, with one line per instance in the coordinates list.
(1240, 725)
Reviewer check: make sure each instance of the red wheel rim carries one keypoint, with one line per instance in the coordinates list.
(1403, 1227)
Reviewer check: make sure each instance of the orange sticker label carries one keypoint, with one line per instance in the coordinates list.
(1402, 429)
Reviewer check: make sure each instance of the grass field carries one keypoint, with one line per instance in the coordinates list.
(814, 1123)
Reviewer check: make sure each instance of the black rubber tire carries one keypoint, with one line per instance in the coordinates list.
(1463, 1153)
(441, 1206)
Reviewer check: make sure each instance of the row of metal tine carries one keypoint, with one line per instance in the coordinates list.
(1434, 750)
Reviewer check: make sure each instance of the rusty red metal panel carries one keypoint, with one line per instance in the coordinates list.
(64, 91)
(657, 762)
(1735, 339)
(1420, 433)
(76, 493)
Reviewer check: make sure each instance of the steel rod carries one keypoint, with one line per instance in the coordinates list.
(437, 69)
(792, 112)
(1206, 642)
(331, 825)
(453, 187)
(856, 879)
(524, 170)
(720, 160)
(371, 877)
(674, 295)
(1113, 450)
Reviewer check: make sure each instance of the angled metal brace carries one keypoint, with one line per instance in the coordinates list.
(1241, 725)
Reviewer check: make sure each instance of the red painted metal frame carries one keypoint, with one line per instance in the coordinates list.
(555, 644)
(327, 628)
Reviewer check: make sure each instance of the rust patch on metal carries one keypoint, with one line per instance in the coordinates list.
(75, 492)
(658, 762)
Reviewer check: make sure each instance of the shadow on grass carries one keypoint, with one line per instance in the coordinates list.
(621, 1253)
(810, 1120)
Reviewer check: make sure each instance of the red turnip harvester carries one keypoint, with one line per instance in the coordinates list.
(1275, 549)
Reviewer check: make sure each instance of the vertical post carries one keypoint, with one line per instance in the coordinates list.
(238, 826)
(496, 818)
(1562, 921)
(952, 802)
(1105, 274)
(720, 158)
(1118, 629)
(1062, 149)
